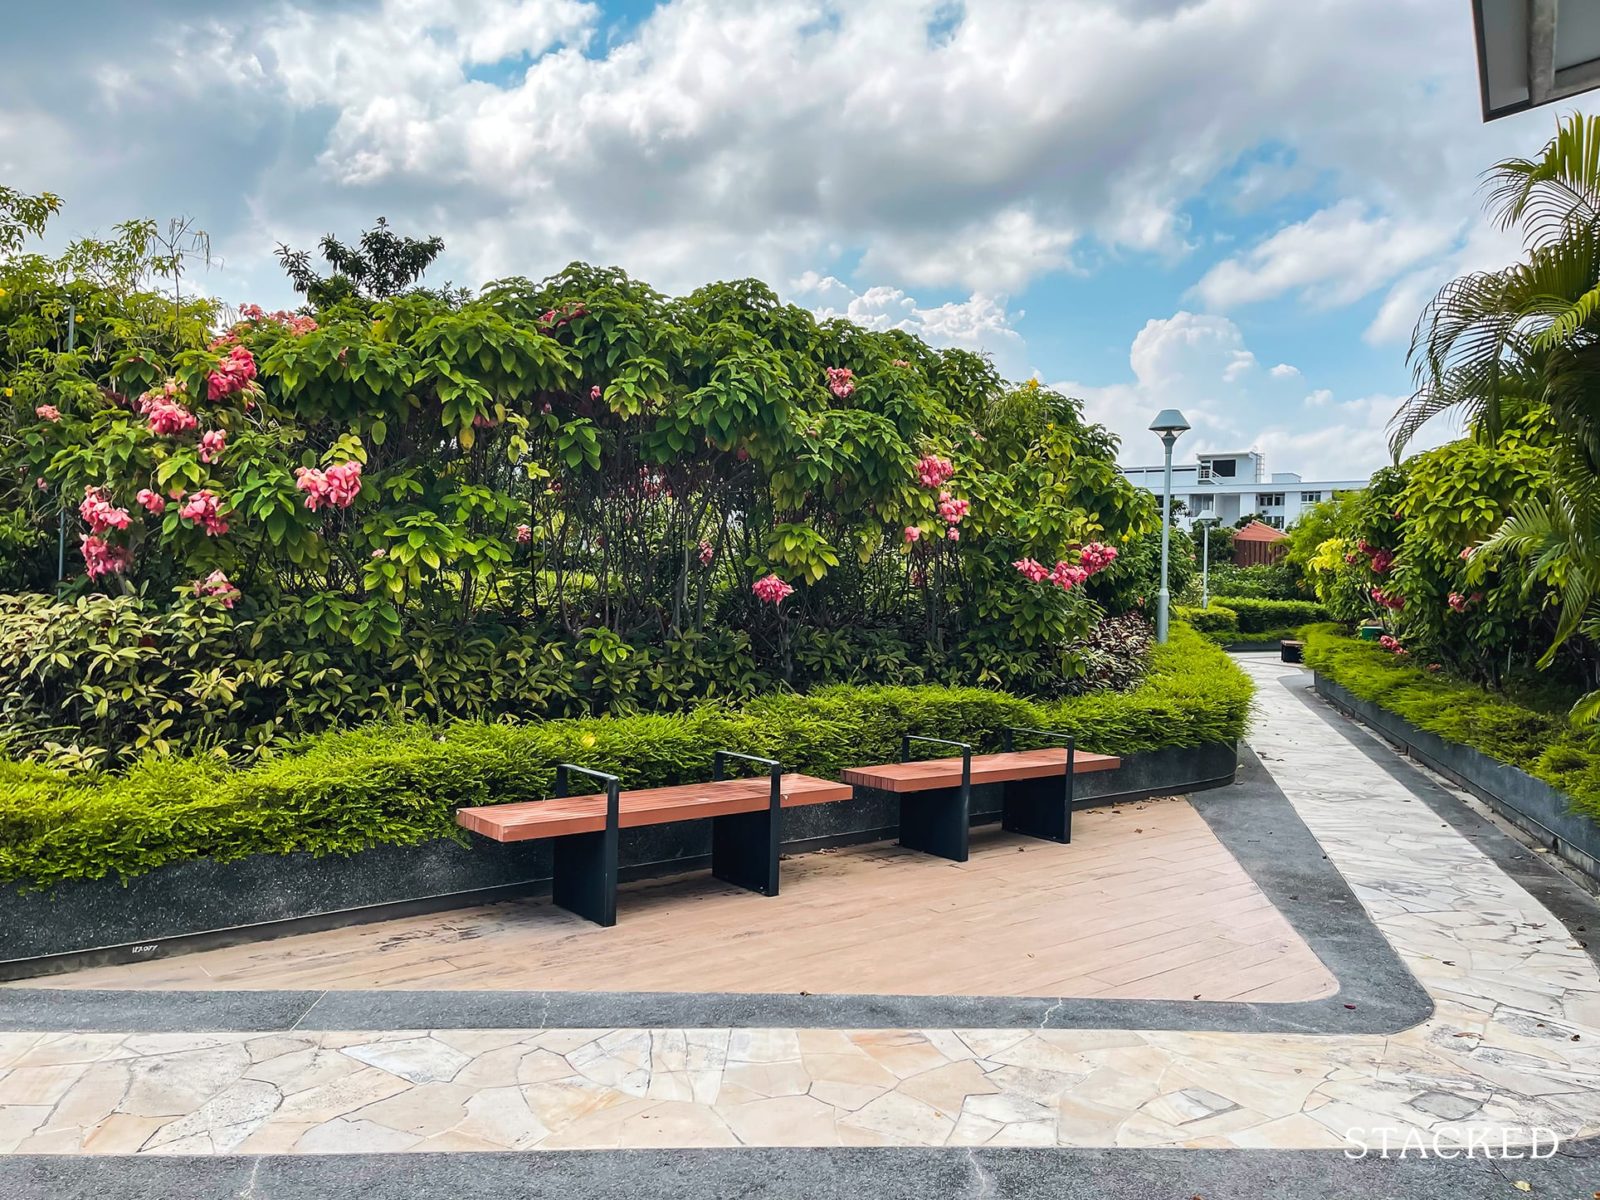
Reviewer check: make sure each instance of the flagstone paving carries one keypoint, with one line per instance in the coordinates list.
(1513, 1044)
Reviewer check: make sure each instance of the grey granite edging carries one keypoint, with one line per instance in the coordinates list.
(1251, 817)
(1531, 804)
(821, 1173)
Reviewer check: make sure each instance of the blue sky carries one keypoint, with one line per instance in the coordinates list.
(1235, 206)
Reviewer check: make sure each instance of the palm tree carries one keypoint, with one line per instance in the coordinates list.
(1491, 344)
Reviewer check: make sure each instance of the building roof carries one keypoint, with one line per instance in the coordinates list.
(1257, 532)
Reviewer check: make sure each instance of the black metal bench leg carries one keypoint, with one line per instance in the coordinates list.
(744, 851)
(937, 822)
(586, 875)
(1040, 808)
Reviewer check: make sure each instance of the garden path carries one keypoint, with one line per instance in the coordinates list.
(1513, 1042)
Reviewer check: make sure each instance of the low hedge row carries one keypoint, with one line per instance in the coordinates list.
(343, 792)
(1539, 740)
(1247, 619)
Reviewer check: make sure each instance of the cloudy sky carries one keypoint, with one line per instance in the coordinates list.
(1234, 206)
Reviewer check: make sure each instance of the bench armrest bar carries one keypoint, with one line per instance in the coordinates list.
(721, 756)
(1009, 730)
(611, 781)
(907, 739)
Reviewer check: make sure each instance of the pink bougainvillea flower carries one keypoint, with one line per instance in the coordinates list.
(952, 510)
(167, 417)
(1364, 546)
(771, 590)
(1392, 600)
(1067, 576)
(47, 412)
(212, 443)
(706, 553)
(594, 392)
(1382, 561)
(952, 533)
(1096, 557)
(216, 586)
(380, 552)
(1457, 602)
(912, 533)
(42, 484)
(1033, 572)
(337, 486)
(152, 502)
(201, 508)
(99, 514)
(102, 558)
(234, 373)
(1391, 644)
(933, 471)
(524, 534)
(841, 382)
(1468, 552)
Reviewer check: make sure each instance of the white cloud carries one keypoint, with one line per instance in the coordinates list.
(1285, 371)
(1331, 258)
(1190, 361)
(715, 139)
(980, 323)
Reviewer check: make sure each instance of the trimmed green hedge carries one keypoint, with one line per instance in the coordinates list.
(1218, 619)
(343, 792)
(1260, 617)
(1540, 741)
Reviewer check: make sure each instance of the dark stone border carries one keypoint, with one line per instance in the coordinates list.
(200, 905)
(1251, 817)
(1531, 804)
(1568, 903)
(816, 1174)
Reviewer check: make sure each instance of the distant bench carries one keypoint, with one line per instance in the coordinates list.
(583, 829)
(936, 793)
(746, 813)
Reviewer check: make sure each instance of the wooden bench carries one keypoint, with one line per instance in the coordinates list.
(583, 830)
(936, 793)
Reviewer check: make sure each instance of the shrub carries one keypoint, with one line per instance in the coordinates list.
(1261, 616)
(1218, 619)
(400, 783)
(1532, 733)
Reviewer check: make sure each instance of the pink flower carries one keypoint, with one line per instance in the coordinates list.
(953, 533)
(1391, 644)
(841, 382)
(1067, 576)
(1468, 552)
(952, 510)
(706, 553)
(47, 412)
(932, 471)
(101, 558)
(1457, 602)
(524, 534)
(212, 443)
(771, 590)
(1390, 600)
(1382, 561)
(201, 508)
(151, 502)
(912, 533)
(233, 374)
(337, 486)
(42, 484)
(167, 416)
(380, 552)
(99, 513)
(483, 421)
(216, 586)
(594, 392)
(899, 362)
(1096, 557)
(1032, 571)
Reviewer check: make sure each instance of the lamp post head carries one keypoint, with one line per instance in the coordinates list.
(1169, 423)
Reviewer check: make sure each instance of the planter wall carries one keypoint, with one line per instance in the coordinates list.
(199, 903)
(1531, 804)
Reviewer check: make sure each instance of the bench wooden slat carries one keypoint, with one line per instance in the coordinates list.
(932, 773)
(535, 819)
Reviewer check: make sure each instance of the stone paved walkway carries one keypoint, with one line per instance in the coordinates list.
(1514, 1044)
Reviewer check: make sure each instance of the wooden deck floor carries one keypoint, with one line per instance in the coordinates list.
(1145, 903)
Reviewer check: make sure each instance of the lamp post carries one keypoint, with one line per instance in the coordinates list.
(1205, 524)
(1169, 423)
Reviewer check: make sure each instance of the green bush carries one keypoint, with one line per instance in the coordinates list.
(1263, 616)
(1218, 619)
(400, 783)
(1526, 732)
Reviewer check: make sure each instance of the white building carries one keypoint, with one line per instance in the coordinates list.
(1233, 484)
